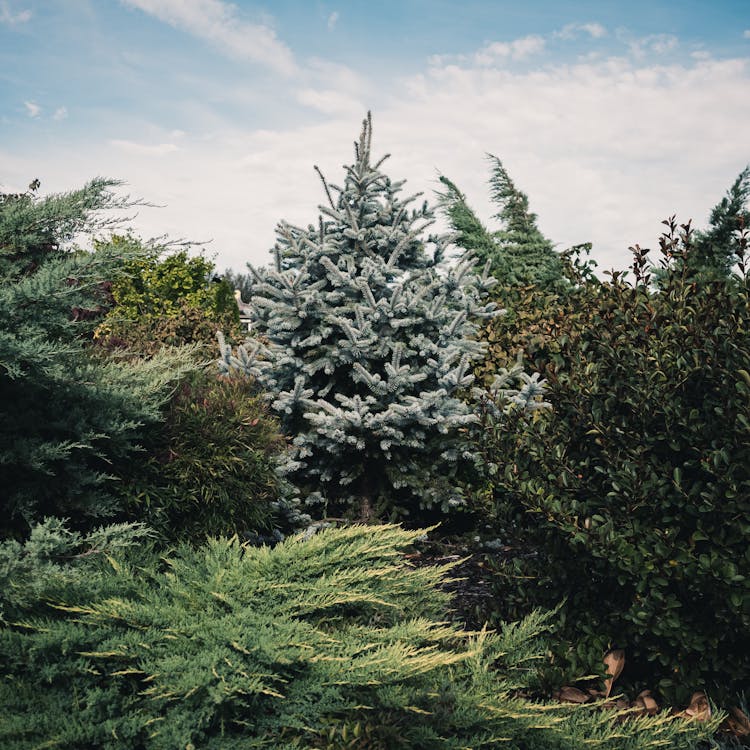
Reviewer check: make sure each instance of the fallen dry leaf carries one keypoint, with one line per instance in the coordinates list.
(645, 703)
(571, 695)
(614, 661)
(737, 723)
(617, 704)
(699, 708)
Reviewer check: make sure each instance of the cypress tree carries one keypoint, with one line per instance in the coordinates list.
(716, 250)
(519, 254)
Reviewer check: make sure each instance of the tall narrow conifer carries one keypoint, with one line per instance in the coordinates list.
(519, 253)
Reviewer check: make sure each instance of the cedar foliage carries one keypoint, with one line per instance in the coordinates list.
(68, 418)
(333, 642)
(716, 249)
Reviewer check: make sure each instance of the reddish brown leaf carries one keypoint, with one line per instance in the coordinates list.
(737, 723)
(571, 695)
(614, 661)
(646, 703)
(699, 708)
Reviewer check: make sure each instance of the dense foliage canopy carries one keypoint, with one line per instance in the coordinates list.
(329, 642)
(68, 417)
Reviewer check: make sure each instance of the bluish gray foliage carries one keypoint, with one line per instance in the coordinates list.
(370, 341)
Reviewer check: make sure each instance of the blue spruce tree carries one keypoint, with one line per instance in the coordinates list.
(369, 342)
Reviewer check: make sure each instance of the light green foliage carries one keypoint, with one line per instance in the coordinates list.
(157, 285)
(633, 494)
(67, 416)
(370, 342)
(328, 642)
(55, 556)
(165, 297)
(210, 466)
(519, 253)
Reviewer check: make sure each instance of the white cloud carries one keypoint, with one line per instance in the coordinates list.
(518, 49)
(11, 18)
(333, 20)
(32, 109)
(746, 33)
(331, 102)
(571, 30)
(657, 44)
(494, 52)
(337, 76)
(596, 30)
(60, 113)
(219, 23)
(596, 145)
(143, 149)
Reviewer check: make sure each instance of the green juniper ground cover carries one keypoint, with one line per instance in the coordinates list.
(236, 556)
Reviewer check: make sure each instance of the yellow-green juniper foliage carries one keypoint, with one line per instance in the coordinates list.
(333, 641)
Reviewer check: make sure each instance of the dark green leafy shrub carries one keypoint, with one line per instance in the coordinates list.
(538, 322)
(330, 642)
(210, 469)
(632, 498)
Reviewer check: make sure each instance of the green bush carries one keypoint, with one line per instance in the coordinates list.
(189, 326)
(538, 322)
(329, 642)
(632, 498)
(68, 417)
(166, 299)
(210, 467)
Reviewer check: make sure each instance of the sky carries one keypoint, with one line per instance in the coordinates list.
(611, 116)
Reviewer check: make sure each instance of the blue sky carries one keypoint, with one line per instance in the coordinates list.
(611, 116)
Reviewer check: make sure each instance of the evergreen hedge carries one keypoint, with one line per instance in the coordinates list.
(334, 641)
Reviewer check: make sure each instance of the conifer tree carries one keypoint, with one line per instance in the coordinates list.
(67, 416)
(716, 250)
(519, 253)
(370, 342)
